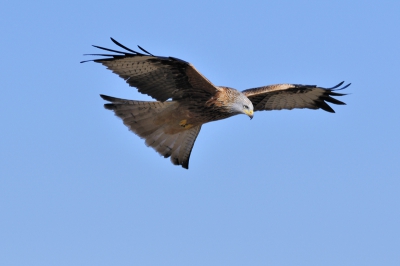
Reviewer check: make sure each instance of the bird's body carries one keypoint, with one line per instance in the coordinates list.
(171, 127)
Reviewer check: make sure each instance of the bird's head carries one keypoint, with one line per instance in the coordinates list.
(243, 105)
(235, 102)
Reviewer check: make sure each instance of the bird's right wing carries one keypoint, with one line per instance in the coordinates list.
(160, 77)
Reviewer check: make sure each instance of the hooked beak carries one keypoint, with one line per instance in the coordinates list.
(250, 113)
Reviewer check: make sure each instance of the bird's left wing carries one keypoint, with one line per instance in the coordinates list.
(290, 96)
(160, 77)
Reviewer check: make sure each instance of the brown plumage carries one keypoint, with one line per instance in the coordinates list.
(171, 127)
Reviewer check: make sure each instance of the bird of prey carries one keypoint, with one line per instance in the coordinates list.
(185, 100)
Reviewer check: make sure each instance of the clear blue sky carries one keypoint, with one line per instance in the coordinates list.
(298, 187)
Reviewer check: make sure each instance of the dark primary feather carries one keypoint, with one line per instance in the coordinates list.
(290, 96)
(160, 77)
(123, 46)
(144, 50)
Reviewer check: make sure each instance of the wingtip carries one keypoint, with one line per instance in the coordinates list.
(113, 40)
(107, 98)
(337, 87)
(145, 50)
(109, 106)
(346, 86)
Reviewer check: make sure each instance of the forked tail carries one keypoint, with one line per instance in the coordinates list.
(139, 117)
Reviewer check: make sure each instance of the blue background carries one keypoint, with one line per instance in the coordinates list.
(298, 187)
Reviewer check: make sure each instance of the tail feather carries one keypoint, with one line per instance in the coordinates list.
(181, 155)
(139, 117)
(175, 153)
(165, 149)
(155, 138)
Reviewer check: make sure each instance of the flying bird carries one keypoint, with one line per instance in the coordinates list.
(185, 100)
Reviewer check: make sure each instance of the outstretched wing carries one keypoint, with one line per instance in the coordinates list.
(160, 77)
(290, 96)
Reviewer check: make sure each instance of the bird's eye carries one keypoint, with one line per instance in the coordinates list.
(245, 107)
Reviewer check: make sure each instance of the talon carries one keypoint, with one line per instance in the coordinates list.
(184, 124)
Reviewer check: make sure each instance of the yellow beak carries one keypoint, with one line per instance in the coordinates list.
(250, 113)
